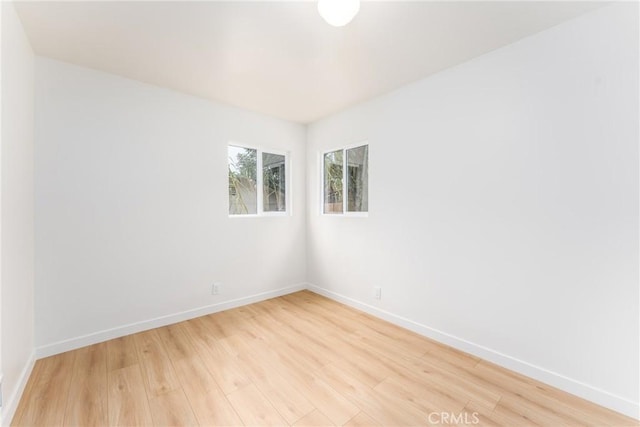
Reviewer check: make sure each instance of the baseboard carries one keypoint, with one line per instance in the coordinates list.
(593, 394)
(105, 335)
(11, 404)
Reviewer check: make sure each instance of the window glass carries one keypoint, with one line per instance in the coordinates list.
(358, 179)
(333, 175)
(273, 183)
(243, 196)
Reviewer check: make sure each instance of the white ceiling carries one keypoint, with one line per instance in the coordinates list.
(281, 58)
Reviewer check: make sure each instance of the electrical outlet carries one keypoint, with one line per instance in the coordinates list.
(215, 289)
(377, 292)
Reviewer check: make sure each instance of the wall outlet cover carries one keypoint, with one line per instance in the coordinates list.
(215, 289)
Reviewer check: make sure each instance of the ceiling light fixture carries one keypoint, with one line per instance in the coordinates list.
(338, 12)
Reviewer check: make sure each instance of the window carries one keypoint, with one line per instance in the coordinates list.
(350, 166)
(274, 182)
(257, 181)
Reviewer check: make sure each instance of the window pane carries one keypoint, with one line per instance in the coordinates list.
(333, 182)
(273, 182)
(358, 179)
(243, 197)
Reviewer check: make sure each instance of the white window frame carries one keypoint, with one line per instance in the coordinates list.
(259, 182)
(345, 198)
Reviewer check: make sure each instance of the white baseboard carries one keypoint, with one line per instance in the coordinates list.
(120, 331)
(10, 405)
(593, 394)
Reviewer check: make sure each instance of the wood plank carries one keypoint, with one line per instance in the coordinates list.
(314, 418)
(172, 409)
(222, 366)
(417, 394)
(387, 409)
(254, 408)
(334, 405)
(208, 402)
(87, 401)
(360, 365)
(460, 387)
(175, 342)
(285, 397)
(547, 398)
(46, 403)
(480, 412)
(294, 370)
(121, 353)
(362, 420)
(128, 402)
(222, 324)
(157, 370)
(30, 391)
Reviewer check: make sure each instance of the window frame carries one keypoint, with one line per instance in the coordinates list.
(345, 171)
(260, 212)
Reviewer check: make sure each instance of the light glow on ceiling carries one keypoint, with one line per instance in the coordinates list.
(338, 12)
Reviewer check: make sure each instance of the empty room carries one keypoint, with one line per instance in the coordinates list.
(319, 213)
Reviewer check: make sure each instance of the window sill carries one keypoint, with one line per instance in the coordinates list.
(347, 215)
(263, 215)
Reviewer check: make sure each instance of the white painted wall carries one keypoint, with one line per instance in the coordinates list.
(523, 244)
(1, 376)
(131, 207)
(17, 210)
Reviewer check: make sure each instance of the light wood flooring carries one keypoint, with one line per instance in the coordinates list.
(298, 360)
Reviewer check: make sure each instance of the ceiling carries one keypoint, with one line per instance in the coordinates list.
(281, 58)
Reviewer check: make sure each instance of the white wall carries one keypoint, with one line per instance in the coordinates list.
(17, 213)
(131, 207)
(1, 376)
(522, 246)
